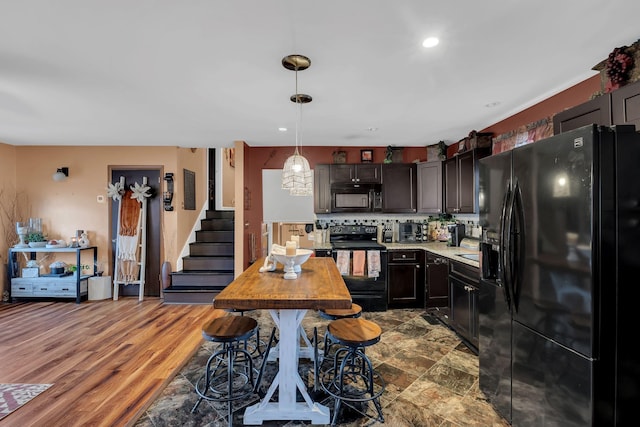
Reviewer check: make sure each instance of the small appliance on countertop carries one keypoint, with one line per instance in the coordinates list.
(407, 232)
(456, 234)
(387, 233)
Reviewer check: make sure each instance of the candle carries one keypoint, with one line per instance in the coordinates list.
(296, 239)
(291, 248)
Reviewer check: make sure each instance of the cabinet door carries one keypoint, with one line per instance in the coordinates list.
(467, 183)
(342, 173)
(460, 308)
(429, 187)
(368, 173)
(625, 105)
(405, 273)
(451, 185)
(597, 110)
(461, 181)
(399, 188)
(437, 281)
(321, 189)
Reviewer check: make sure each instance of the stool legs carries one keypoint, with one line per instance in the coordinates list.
(209, 386)
(352, 380)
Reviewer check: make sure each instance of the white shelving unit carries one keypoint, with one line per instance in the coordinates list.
(51, 286)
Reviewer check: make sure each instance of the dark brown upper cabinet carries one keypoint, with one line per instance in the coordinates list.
(399, 188)
(356, 173)
(597, 110)
(625, 105)
(461, 181)
(620, 107)
(429, 188)
(321, 189)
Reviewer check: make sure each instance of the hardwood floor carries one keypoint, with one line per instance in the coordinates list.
(107, 360)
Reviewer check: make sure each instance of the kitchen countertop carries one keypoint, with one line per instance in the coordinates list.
(438, 248)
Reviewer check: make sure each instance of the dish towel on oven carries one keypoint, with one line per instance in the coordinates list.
(358, 263)
(374, 263)
(342, 261)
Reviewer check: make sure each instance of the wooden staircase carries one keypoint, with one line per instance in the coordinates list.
(209, 268)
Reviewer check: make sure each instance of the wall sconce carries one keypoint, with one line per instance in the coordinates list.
(167, 196)
(61, 174)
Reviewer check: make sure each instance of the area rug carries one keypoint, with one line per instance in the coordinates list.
(13, 396)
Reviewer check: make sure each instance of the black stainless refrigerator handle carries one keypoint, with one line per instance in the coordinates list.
(506, 243)
(518, 246)
(502, 252)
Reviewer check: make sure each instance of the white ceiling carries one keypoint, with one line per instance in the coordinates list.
(203, 73)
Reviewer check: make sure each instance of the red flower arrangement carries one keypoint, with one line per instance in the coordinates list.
(619, 65)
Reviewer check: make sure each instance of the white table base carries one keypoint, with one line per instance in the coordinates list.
(288, 380)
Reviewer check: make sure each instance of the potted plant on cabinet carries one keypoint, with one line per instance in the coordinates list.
(74, 268)
(36, 240)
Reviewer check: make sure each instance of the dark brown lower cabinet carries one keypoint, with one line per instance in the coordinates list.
(464, 288)
(323, 252)
(437, 281)
(405, 278)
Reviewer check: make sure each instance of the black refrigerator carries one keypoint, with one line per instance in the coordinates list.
(559, 296)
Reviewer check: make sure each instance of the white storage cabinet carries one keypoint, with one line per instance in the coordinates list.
(75, 286)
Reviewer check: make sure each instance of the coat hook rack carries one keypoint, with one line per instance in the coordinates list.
(167, 196)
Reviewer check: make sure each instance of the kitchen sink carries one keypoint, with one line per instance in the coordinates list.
(472, 257)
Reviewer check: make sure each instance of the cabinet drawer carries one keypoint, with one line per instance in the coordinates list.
(59, 288)
(21, 288)
(404, 256)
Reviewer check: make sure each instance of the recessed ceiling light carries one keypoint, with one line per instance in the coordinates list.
(372, 129)
(492, 104)
(282, 129)
(430, 42)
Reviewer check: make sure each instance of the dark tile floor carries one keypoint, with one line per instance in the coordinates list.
(431, 379)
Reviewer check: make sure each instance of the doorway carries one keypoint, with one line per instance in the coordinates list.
(132, 175)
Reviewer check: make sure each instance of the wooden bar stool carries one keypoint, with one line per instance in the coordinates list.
(228, 374)
(352, 380)
(341, 313)
(256, 347)
(330, 314)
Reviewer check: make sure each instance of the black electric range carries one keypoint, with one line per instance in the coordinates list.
(368, 287)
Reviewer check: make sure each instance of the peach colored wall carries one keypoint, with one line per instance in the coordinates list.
(7, 196)
(194, 160)
(72, 204)
(228, 175)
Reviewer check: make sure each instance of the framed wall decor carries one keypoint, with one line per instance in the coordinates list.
(189, 190)
(366, 156)
(339, 156)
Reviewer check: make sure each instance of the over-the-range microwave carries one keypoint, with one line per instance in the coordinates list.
(356, 198)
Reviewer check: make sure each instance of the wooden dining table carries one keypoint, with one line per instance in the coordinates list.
(319, 285)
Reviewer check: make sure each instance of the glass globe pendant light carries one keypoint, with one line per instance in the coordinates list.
(296, 173)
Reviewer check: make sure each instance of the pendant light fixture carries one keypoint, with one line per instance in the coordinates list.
(296, 173)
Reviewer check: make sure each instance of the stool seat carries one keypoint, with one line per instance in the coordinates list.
(355, 332)
(341, 313)
(229, 328)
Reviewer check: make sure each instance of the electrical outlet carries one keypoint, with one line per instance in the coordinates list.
(100, 198)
